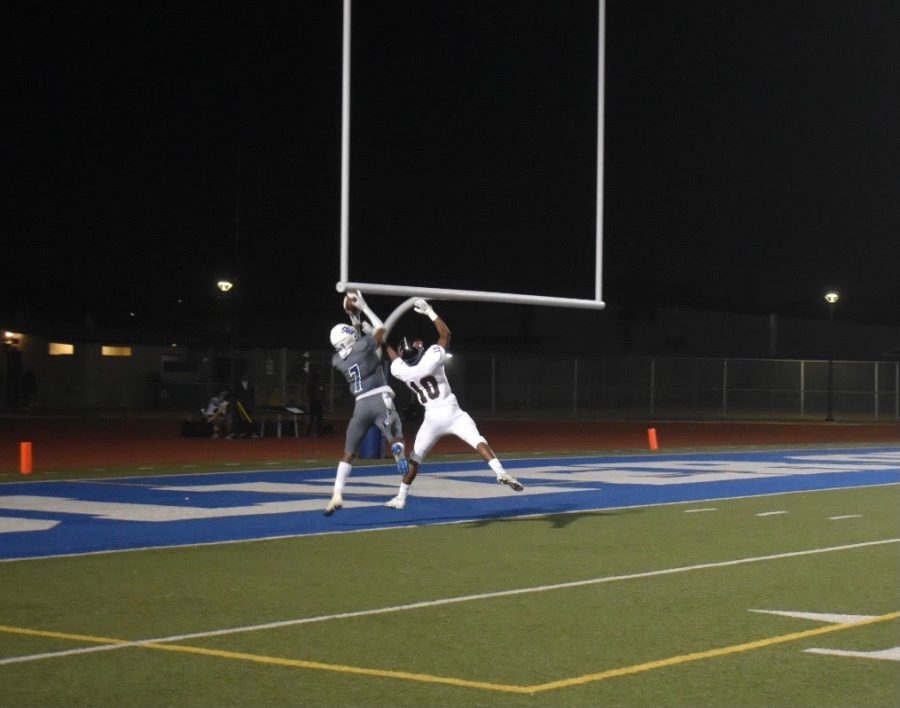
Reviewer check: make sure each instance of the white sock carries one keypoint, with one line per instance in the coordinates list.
(404, 490)
(495, 465)
(340, 479)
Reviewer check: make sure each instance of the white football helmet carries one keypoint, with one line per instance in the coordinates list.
(343, 337)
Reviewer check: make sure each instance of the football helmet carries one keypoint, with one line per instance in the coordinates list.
(411, 350)
(343, 337)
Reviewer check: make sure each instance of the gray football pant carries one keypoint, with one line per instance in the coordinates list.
(367, 412)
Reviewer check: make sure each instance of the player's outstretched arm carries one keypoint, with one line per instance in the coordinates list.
(424, 308)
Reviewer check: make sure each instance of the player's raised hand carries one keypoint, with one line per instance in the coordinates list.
(354, 302)
(423, 308)
(359, 300)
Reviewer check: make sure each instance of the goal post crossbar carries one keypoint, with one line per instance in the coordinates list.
(472, 295)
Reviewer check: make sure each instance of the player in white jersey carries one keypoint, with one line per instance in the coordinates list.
(423, 371)
(358, 357)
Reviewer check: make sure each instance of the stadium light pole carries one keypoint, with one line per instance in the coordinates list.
(225, 285)
(831, 298)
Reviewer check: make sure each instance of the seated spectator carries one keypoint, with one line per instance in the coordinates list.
(216, 413)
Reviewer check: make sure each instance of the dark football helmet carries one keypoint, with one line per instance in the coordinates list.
(411, 350)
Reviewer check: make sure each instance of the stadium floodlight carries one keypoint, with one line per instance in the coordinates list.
(224, 285)
(831, 298)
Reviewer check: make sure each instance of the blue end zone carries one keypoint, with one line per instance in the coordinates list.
(43, 519)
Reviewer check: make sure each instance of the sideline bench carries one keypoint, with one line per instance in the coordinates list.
(279, 416)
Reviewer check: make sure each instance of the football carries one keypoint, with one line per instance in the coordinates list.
(350, 303)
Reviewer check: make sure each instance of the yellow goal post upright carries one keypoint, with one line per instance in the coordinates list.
(413, 292)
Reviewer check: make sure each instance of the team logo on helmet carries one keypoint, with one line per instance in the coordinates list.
(411, 350)
(343, 337)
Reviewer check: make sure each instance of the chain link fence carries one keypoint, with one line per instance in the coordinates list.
(536, 386)
(498, 385)
(677, 387)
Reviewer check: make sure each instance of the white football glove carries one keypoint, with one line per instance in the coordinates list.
(423, 308)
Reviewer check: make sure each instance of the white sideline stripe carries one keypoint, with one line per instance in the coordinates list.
(445, 601)
(771, 513)
(697, 511)
(845, 516)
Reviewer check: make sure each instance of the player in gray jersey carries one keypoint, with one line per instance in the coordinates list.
(423, 371)
(358, 357)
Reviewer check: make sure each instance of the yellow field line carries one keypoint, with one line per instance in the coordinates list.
(262, 659)
(462, 683)
(63, 635)
(710, 654)
(338, 668)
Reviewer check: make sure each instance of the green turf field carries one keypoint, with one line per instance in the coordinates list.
(648, 606)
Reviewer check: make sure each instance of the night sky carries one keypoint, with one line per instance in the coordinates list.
(752, 154)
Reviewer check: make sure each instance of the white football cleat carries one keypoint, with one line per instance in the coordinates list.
(337, 502)
(511, 482)
(396, 503)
